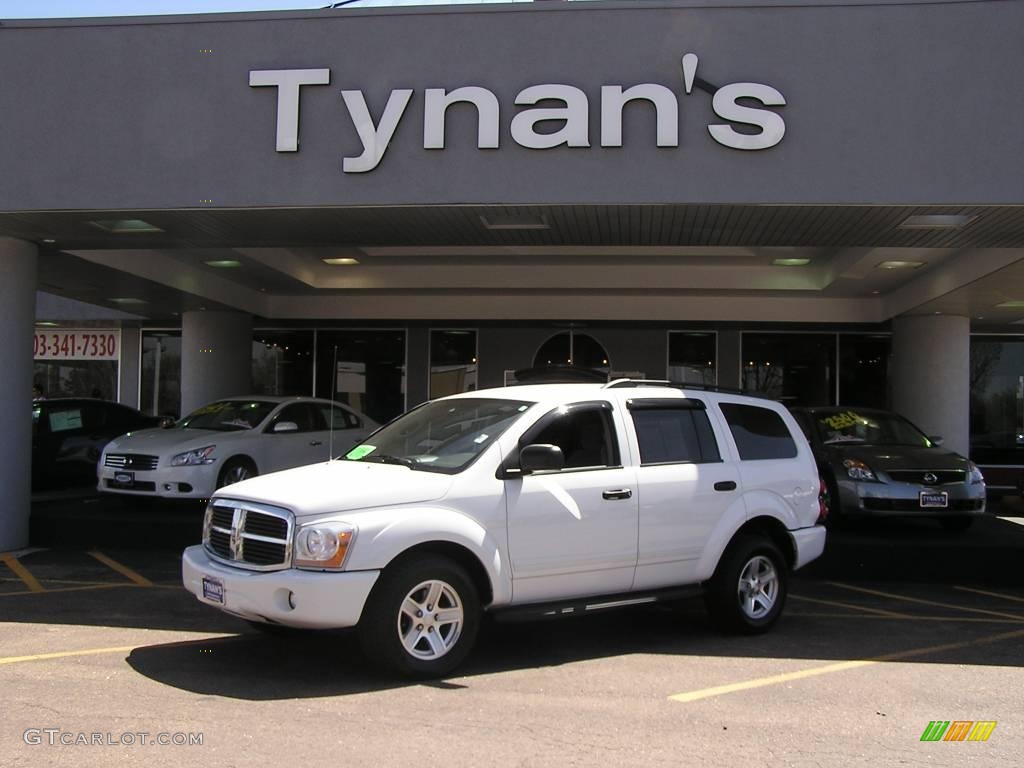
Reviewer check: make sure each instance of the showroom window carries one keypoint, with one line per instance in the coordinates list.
(794, 368)
(997, 399)
(864, 369)
(453, 362)
(160, 385)
(692, 357)
(365, 369)
(572, 348)
(282, 362)
(78, 362)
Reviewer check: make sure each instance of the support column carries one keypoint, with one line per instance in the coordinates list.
(931, 363)
(216, 357)
(18, 299)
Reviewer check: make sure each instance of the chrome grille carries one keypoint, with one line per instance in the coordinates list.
(248, 535)
(928, 476)
(134, 461)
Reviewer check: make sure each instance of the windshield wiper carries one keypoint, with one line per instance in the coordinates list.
(386, 458)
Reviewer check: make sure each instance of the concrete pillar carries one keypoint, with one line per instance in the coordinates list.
(930, 374)
(128, 370)
(18, 299)
(216, 357)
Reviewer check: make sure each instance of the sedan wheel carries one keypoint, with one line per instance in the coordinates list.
(235, 471)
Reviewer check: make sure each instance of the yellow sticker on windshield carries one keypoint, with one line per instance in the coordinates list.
(360, 451)
(843, 420)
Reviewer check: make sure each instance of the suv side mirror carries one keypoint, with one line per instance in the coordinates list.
(286, 426)
(540, 457)
(936, 439)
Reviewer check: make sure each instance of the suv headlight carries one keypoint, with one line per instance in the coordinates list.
(323, 546)
(974, 475)
(858, 470)
(194, 458)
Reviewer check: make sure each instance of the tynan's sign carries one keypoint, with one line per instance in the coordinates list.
(764, 127)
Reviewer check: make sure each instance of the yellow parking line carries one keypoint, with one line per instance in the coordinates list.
(870, 617)
(22, 573)
(124, 570)
(57, 590)
(991, 594)
(866, 591)
(837, 604)
(762, 682)
(66, 654)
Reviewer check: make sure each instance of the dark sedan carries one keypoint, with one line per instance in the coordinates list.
(877, 464)
(68, 435)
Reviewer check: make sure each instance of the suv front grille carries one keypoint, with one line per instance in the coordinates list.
(248, 535)
(135, 461)
(917, 476)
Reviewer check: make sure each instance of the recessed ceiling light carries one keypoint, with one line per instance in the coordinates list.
(126, 300)
(47, 324)
(876, 292)
(125, 226)
(937, 221)
(344, 261)
(899, 264)
(49, 240)
(790, 262)
(499, 221)
(1012, 304)
(223, 263)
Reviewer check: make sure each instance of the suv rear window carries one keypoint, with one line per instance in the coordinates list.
(760, 433)
(670, 435)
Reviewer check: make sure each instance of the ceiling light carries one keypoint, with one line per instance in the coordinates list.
(126, 300)
(790, 262)
(49, 240)
(499, 221)
(899, 264)
(224, 263)
(1012, 304)
(47, 324)
(937, 221)
(125, 226)
(344, 261)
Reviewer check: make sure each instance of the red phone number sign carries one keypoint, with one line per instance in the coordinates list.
(78, 345)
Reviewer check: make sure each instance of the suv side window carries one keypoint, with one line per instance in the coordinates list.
(760, 433)
(585, 434)
(671, 434)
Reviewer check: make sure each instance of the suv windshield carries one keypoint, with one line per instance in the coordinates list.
(442, 436)
(870, 428)
(228, 415)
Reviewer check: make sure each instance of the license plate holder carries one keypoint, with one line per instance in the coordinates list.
(934, 499)
(213, 590)
(124, 478)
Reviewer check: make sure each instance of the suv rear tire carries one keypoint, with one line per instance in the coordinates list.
(749, 586)
(421, 618)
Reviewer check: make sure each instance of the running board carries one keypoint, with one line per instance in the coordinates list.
(582, 606)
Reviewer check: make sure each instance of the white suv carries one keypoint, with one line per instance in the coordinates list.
(544, 499)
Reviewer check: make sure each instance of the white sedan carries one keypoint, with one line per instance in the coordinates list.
(228, 441)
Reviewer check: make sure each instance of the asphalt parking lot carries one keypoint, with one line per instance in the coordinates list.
(899, 625)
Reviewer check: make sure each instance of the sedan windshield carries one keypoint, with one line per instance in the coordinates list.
(869, 428)
(228, 415)
(442, 436)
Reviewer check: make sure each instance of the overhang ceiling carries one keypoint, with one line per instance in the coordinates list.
(665, 262)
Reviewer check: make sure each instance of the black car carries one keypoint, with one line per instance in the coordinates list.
(68, 435)
(875, 463)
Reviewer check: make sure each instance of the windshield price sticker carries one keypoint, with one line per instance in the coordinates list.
(843, 420)
(360, 452)
(78, 345)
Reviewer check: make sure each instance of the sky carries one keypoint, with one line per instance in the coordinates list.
(39, 9)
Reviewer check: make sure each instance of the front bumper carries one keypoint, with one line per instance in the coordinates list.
(197, 482)
(305, 599)
(892, 499)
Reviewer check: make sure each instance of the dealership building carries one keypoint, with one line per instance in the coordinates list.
(821, 201)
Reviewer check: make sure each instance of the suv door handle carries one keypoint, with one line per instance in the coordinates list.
(620, 493)
(316, 442)
(725, 485)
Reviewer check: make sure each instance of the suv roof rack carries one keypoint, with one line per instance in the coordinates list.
(622, 383)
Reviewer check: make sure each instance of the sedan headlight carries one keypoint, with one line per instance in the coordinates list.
(974, 475)
(194, 458)
(858, 470)
(323, 546)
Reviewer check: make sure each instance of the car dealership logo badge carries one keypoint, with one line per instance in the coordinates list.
(740, 105)
(958, 730)
(930, 478)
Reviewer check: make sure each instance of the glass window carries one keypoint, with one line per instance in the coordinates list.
(160, 393)
(585, 435)
(364, 369)
(572, 348)
(864, 370)
(997, 399)
(452, 362)
(441, 436)
(669, 435)
(692, 357)
(337, 417)
(75, 378)
(873, 428)
(760, 433)
(795, 368)
(282, 362)
(306, 416)
(228, 415)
